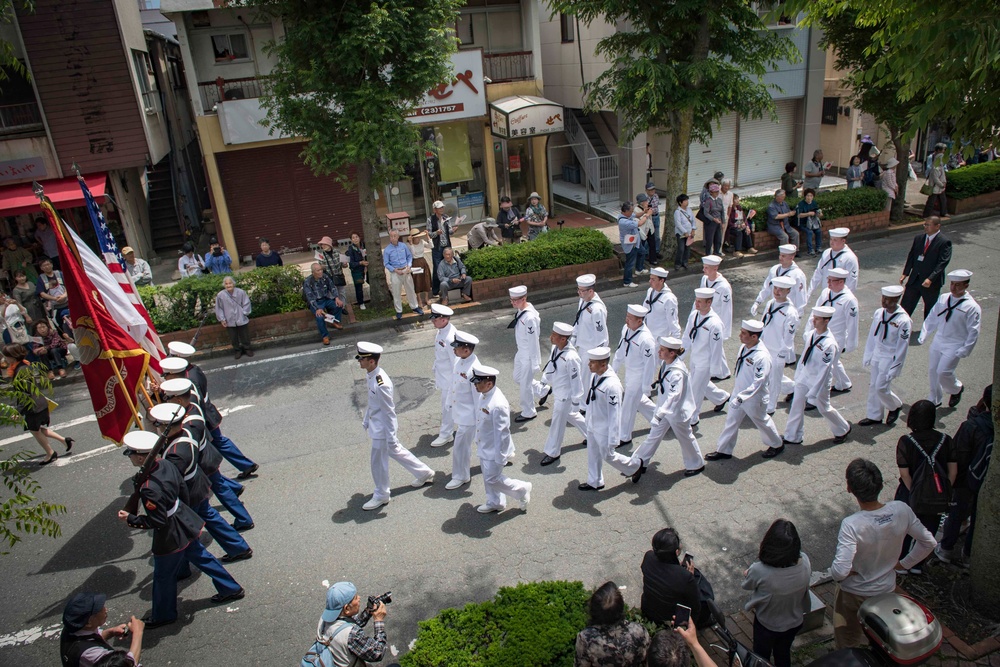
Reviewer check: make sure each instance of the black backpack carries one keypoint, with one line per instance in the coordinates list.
(930, 490)
(979, 466)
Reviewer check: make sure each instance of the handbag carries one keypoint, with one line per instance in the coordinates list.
(700, 215)
(927, 189)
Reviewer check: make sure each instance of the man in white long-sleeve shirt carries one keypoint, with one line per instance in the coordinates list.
(885, 354)
(954, 322)
(868, 548)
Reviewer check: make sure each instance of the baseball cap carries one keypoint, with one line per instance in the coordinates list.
(338, 596)
(80, 608)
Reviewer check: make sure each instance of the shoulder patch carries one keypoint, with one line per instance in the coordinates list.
(150, 505)
(379, 381)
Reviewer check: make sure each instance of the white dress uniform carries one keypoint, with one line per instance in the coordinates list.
(590, 329)
(797, 295)
(637, 351)
(562, 373)
(444, 368)
(604, 404)
(463, 409)
(813, 377)
(495, 446)
(722, 304)
(703, 342)
(380, 423)
(954, 323)
(843, 259)
(781, 320)
(749, 398)
(844, 327)
(672, 412)
(885, 354)
(526, 325)
(662, 319)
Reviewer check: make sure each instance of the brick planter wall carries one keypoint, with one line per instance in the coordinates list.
(496, 288)
(856, 223)
(269, 326)
(988, 200)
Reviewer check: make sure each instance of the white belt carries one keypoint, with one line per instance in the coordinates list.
(188, 477)
(173, 510)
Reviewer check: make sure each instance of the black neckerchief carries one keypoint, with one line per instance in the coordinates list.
(830, 300)
(580, 312)
(771, 312)
(697, 326)
(950, 308)
(745, 355)
(885, 323)
(812, 345)
(595, 383)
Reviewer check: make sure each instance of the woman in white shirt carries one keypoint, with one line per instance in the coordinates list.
(190, 264)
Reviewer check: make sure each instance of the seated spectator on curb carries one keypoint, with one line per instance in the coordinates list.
(674, 647)
(232, 309)
(324, 301)
(190, 263)
(809, 216)
(217, 259)
(483, 234)
(779, 585)
(137, 268)
(868, 549)
(670, 579)
(451, 271)
(84, 643)
(741, 227)
(778, 220)
(610, 639)
(267, 257)
(52, 348)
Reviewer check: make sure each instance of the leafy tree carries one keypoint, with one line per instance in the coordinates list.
(9, 62)
(347, 73)
(680, 66)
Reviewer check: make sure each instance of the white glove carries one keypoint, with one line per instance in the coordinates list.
(655, 421)
(921, 337)
(753, 308)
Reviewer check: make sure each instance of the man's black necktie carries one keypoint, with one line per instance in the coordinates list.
(594, 384)
(697, 326)
(950, 308)
(661, 377)
(832, 260)
(584, 307)
(650, 300)
(771, 312)
(744, 356)
(517, 318)
(812, 346)
(883, 325)
(832, 299)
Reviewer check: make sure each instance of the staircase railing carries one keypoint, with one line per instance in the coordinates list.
(601, 170)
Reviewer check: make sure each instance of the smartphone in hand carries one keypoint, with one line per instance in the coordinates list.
(682, 615)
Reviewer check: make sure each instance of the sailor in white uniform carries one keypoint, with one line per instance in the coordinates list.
(722, 304)
(844, 325)
(563, 373)
(787, 268)
(781, 321)
(954, 322)
(703, 342)
(380, 423)
(463, 409)
(527, 326)
(444, 368)
(885, 354)
(837, 256)
(637, 352)
(604, 406)
(590, 326)
(662, 304)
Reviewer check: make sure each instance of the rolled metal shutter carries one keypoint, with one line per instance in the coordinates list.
(766, 145)
(718, 155)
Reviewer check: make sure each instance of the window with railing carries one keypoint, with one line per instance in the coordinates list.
(223, 90)
(514, 66)
(20, 117)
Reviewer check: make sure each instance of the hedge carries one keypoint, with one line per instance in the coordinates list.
(835, 204)
(549, 251)
(529, 624)
(176, 307)
(975, 179)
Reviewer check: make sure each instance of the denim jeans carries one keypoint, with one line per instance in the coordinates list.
(683, 251)
(654, 248)
(767, 642)
(630, 259)
(331, 308)
(640, 260)
(713, 237)
(814, 240)
(962, 507)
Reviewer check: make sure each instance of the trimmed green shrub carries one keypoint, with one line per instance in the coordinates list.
(835, 204)
(975, 179)
(530, 624)
(176, 307)
(548, 251)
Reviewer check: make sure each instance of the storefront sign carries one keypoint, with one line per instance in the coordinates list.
(471, 199)
(525, 116)
(19, 170)
(514, 164)
(463, 97)
(399, 222)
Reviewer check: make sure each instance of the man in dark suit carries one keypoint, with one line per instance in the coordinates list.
(926, 267)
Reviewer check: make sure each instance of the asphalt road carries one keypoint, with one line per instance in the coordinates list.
(297, 412)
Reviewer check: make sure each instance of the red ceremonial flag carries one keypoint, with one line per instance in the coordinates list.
(114, 364)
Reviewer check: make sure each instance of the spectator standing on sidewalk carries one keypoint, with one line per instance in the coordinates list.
(397, 259)
(509, 220)
(888, 183)
(628, 235)
(537, 216)
(854, 173)
(217, 259)
(232, 309)
(358, 262)
(713, 220)
(439, 229)
(788, 181)
(814, 171)
(654, 205)
(683, 231)
(645, 233)
(937, 179)
(267, 257)
(420, 270)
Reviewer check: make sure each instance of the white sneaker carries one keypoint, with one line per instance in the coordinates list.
(488, 509)
(943, 555)
(523, 503)
(363, 307)
(441, 440)
(420, 481)
(374, 504)
(455, 484)
(632, 285)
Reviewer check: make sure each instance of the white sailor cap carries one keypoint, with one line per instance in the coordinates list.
(562, 328)
(670, 342)
(366, 349)
(462, 338)
(711, 260)
(166, 413)
(518, 292)
(783, 282)
(892, 291)
(839, 232)
(823, 311)
(787, 249)
(179, 349)
(838, 273)
(959, 275)
(173, 365)
(139, 442)
(704, 293)
(586, 280)
(753, 326)
(437, 310)
(176, 386)
(637, 310)
(659, 272)
(481, 372)
(599, 353)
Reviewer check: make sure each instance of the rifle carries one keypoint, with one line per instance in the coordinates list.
(204, 316)
(132, 504)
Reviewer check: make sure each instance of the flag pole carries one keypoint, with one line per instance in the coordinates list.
(125, 392)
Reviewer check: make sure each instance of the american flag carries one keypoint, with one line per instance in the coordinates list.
(116, 264)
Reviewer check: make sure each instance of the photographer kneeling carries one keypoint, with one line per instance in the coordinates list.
(340, 639)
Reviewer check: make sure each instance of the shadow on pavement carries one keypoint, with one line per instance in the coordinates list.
(471, 523)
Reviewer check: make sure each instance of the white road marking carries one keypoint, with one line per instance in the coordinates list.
(30, 635)
(330, 348)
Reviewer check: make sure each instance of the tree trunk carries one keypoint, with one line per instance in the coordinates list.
(985, 555)
(371, 226)
(902, 174)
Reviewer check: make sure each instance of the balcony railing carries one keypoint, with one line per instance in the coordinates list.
(513, 66)
(20, 117)
(221, 90)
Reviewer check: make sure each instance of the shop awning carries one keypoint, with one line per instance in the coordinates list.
(64, 193)
(525, 116)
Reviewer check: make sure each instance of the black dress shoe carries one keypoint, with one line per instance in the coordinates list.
(637, 475)
(789, 442)
(240, 529)
(869, 422)
(544, 398)
(240, 492)
(149, 623)
(583, 412)
(955, 398)
(549, 460)
(219, 598)
(521, 418)
(717, 456)
(771, 452)
(232, 558)
(696, 471)
(624, 443)
(588, 487)
(249, 353)
(789, 397)
(721, 406)
(49, 460)
(249, 472)
(842, 438)
(891, 418)
(721, 379)
(834, 390)
(810, 407)
(69, 444)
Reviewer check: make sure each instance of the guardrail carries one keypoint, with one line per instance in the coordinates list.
(221, 90)
(20, 117)
(512, 66)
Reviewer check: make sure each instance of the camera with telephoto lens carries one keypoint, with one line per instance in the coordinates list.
(374, 600)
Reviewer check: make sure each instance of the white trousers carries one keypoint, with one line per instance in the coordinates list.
(382, 451)
(398, 282)
(941, 365)
(499, 485)
(599, 452)
(690, 451)
(630, 407)
(840, 378)
(880, 394)
(756, 410)
(702, 387)
(530, 388)
(778, 384)
(447, 421)
(564, 414)
(461, 452)
(795, 426)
